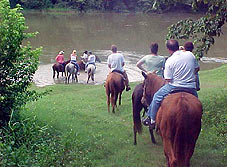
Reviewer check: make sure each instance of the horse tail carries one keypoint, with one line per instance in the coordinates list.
(182, 135)
(136, 115)
(137, 106)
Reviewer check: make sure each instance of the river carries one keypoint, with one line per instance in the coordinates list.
(96, 32)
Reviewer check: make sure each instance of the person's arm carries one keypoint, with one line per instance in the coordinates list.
(139, 65)
(109, 65)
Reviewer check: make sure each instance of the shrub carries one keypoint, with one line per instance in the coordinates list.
(18, 62)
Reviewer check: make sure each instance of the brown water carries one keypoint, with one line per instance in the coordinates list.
(132, 33)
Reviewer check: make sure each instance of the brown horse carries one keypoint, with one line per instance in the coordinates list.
(81, 65)
(179, 122)
(114, 86)
(57, 68)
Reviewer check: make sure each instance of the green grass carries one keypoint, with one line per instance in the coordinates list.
(87, 135)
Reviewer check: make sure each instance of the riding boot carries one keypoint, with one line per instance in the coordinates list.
(126, 81)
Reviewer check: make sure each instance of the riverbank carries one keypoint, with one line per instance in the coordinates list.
(80, 113)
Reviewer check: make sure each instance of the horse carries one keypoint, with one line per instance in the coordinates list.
(81, 64)
(70, 69)
(137, 107)
(59, 68)
(90, 72)
(178, 121)
(114, 86)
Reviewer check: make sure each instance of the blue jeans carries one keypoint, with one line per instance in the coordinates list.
(158, 97)
(75, 64)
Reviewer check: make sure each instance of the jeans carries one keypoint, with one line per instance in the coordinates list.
(158, 97)
(76, 65)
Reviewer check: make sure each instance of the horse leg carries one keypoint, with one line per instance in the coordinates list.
(152, 136)
(113, 101)
(53, 73)
(69, 77)
(120, 98)
(57, 74)
(93, 77)
(76, 77)
(88, 77)
(108, 101)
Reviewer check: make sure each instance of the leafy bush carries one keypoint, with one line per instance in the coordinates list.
(27, 143)
(36, 4)
(18, 62)
(215, 119)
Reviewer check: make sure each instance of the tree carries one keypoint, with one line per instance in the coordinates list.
(18, 62)
(203, 30)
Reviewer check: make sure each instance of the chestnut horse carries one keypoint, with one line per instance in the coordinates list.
(114, 86)
(59, 68)
(179, 123)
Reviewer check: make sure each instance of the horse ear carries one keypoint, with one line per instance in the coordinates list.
(144, 74)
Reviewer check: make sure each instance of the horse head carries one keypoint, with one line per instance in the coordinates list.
(152, 83)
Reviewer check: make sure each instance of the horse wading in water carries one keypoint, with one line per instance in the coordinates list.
(114, 86)
(70, 70)
(179, 122)
(57, 68)
(90, 72)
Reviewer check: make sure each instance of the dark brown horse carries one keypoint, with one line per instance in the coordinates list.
(81, 64)
(137, 107)
(179, 123)
(114, 86)
(57, 68)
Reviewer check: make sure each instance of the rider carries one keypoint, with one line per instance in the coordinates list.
(73, 58)
(153, 61)
(179, 72)
(188, 46)
(116, 62)
(91, 60)
(60, 58)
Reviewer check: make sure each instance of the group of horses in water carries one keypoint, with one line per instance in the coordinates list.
(178, 120)
(70, 70)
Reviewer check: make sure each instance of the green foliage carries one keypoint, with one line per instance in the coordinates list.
(203, 30)
(18, 63)
(215, 119)
(36, 4)
(27, 143)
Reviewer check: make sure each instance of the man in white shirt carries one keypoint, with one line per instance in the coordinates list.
(179, 72)
(116, 62)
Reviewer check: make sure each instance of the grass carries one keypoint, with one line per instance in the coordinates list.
(85, 134)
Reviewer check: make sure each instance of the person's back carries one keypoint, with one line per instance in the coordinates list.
(153, 61)
(179, 68)
(60, 57)
(116, 60)
(91, 59)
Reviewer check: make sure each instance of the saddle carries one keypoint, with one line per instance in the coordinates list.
(187, 90)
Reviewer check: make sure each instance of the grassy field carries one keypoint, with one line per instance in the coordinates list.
(87, 135)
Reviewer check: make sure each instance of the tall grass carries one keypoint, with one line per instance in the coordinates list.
(73, 128)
